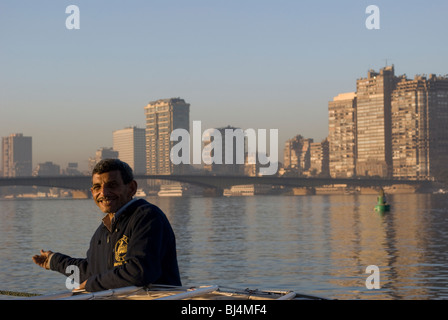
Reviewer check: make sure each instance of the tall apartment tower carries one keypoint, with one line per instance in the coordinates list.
(130, 143)
(342, 135)
(227, 142)
(319, 158)
(162, 117)
(419, 127)
(17, 155)
(373, 131)
(297, 156)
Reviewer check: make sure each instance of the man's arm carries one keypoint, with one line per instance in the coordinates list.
(59, 262)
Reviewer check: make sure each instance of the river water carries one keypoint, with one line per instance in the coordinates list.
(319, 245)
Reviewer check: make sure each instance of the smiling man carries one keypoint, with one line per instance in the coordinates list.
(134, 245)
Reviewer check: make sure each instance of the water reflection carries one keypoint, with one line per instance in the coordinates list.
(313, 244)
(30, 225)
(397, 242)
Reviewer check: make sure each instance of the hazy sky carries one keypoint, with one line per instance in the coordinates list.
(253, 64)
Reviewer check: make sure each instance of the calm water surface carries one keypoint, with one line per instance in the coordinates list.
(312, 244)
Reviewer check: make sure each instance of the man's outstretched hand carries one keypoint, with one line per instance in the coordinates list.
(43, 259)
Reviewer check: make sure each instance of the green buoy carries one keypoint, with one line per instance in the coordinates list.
(382, 204)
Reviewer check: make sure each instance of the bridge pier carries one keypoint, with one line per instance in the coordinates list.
(81, 194)
(304, 191)
(213, 192)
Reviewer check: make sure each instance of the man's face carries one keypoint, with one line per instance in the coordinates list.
(110, 193)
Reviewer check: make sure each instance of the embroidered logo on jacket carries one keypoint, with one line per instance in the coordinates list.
(121, 247)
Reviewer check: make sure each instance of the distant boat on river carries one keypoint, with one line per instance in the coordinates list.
(175, 190)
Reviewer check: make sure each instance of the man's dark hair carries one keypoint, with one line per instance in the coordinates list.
(108, 165)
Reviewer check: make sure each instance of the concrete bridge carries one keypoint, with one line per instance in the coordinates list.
(214, 182)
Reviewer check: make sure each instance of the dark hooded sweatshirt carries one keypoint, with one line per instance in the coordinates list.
(138, 250)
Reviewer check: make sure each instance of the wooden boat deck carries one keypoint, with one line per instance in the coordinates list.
(178, 293)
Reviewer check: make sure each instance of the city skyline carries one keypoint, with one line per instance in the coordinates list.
(251, 65)
(386, 112)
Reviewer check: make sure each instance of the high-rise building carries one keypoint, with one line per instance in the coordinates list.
(296, 156)
(47, 169)
(100, 154)
(374, 142)
(130, 143)
(390, 127)
(342, 135)
(72, 170)
(319, 159)
(229, 142)
(419, 127)
(17, 155)
(162, 117)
